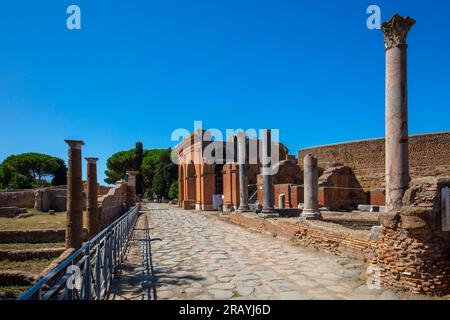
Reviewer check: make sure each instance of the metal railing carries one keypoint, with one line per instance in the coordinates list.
(87, 273)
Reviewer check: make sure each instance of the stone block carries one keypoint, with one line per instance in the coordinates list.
(9, 212)
(375, 232)
(412, 222)
(364, 207)
(390, 220)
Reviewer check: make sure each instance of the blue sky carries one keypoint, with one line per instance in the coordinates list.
(139, 69)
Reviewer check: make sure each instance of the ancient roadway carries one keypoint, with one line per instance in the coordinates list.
(195, 256)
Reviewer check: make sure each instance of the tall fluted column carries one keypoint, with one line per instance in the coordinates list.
(397, 163)
(243, 178)
(74, 217)
(268, 210)
(92, 198)
(311, 188)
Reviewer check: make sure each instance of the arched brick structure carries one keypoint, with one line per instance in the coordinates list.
(199, 180)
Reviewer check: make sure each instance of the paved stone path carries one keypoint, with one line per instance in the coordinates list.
(200, 257)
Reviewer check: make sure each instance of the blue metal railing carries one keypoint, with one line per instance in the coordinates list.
(87, 273)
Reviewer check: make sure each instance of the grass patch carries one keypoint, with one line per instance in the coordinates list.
(34, 266)
(42, 245)
(40, 220)
(11, 292)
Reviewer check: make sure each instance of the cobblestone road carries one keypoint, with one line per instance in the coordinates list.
(200, 257)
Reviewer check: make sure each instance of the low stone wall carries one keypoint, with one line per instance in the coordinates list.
(30, 254)
(326, 237)
(17, 198)
(16, 278)
(34, 236)
(9, 212)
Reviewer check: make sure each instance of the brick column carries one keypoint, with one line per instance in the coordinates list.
(243, 178)
(397, 163)
(311, 188)
(268, 210)
(74, 217)
(92, 198)
(131, 188)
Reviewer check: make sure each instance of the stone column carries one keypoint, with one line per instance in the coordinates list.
(281, 201)
(268, 210)
(243, 178)
(93, 223)
(131, 187)
(397, 163)
(311, 188)
(74, 217)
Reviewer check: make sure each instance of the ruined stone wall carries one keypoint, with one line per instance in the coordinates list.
(53, 198)
(429, 156)
(103, 190)
(340, 189)
(413, 252)
(17, 198)
(113, 204)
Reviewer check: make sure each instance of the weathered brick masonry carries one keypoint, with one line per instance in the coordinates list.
(324, 236)
(412, 252)
(429, 155)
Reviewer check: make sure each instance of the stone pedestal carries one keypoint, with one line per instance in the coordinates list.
(311, 188)
(93, 221)
(74, 218)
(397, 163)
(243, 178)
(268, 210)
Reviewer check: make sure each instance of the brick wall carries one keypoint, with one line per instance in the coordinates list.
(293, 195)
(324, 236)
(412, 252)
(340, 189)
(112, 205)
(17, 198)
(429, 156)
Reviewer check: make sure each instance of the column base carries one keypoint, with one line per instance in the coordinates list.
(310, 214)
(268, 213)
(243, 209)
(206, 207)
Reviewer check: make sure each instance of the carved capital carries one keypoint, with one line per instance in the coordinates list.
(395, 30)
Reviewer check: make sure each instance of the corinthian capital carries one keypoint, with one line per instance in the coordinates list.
(395, 30)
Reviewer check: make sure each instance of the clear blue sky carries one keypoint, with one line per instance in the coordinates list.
(139, 69)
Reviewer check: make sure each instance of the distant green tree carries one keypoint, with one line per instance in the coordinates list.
(60, 174)
(173, 190)
(165, 175)
(118, 164)
(31, 170)
(9, 178)
(139, 158)
(148, 168)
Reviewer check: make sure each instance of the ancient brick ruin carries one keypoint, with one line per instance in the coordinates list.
(408, 246)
